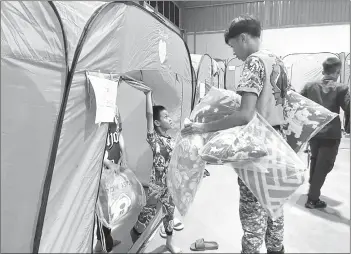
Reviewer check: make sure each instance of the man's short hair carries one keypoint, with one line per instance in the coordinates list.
(243, 24)
(331, 65)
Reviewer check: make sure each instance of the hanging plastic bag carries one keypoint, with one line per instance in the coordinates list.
(305, 118)
(119, 194)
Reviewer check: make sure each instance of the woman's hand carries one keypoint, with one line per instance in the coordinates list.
(193, 128)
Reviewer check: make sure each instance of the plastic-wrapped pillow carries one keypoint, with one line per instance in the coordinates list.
(305, 118)
(233, 144)
(185, 171)
(217, 104)
(186, 168)
(275, 177)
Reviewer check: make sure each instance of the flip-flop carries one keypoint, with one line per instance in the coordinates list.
(178, 225)
(163, 232)
(201, 245)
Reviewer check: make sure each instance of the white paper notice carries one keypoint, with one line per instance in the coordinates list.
(106, 98)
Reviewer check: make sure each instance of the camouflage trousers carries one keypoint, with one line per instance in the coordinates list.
(256, 224)
(157, 193)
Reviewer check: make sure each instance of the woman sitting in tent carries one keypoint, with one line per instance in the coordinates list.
(114, 156)
(158, 123)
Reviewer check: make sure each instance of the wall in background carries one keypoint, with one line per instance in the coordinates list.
(332, 38)
(216, 15)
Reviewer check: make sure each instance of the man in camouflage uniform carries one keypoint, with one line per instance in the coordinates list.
(263, 87)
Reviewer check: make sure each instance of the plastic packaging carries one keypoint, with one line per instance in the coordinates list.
(305, 118)
(185, 171)
(118, 195)
(275, 177)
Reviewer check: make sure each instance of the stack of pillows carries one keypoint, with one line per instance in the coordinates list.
(255, 151)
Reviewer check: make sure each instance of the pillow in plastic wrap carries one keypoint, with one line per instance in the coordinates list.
(233, 145)
(119, 194)
(275, 177)
(217, 104)
(305, 118)
(185, 171)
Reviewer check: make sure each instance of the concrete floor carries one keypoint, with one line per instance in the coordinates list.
(214, 214)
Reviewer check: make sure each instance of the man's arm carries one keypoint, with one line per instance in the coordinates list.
(250, 87)
(304, 91)
(149, 113)
(344, 98)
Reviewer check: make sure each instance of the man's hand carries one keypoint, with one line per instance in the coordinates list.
(193, 128)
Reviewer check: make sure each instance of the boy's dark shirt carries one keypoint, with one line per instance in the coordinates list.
(113, 148)
(333, 96)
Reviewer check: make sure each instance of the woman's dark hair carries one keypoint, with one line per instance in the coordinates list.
(243, 24)
(156, 110)
(331, 65)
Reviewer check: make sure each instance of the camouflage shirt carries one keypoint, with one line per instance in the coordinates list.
(162, 147)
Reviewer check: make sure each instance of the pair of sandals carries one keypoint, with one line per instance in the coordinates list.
(178, 226)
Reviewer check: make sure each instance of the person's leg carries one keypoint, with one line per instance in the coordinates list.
(275, 235)
(327, 153)
(253, 219)
(168, 211)
(148, 212)
(109, 242)
(98, 247)
(314, 146)
(108, 238)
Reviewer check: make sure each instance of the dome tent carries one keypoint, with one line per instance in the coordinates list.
(205, 69)
(305, 67)
(232, 73)
(48, 196)
(221, 72)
